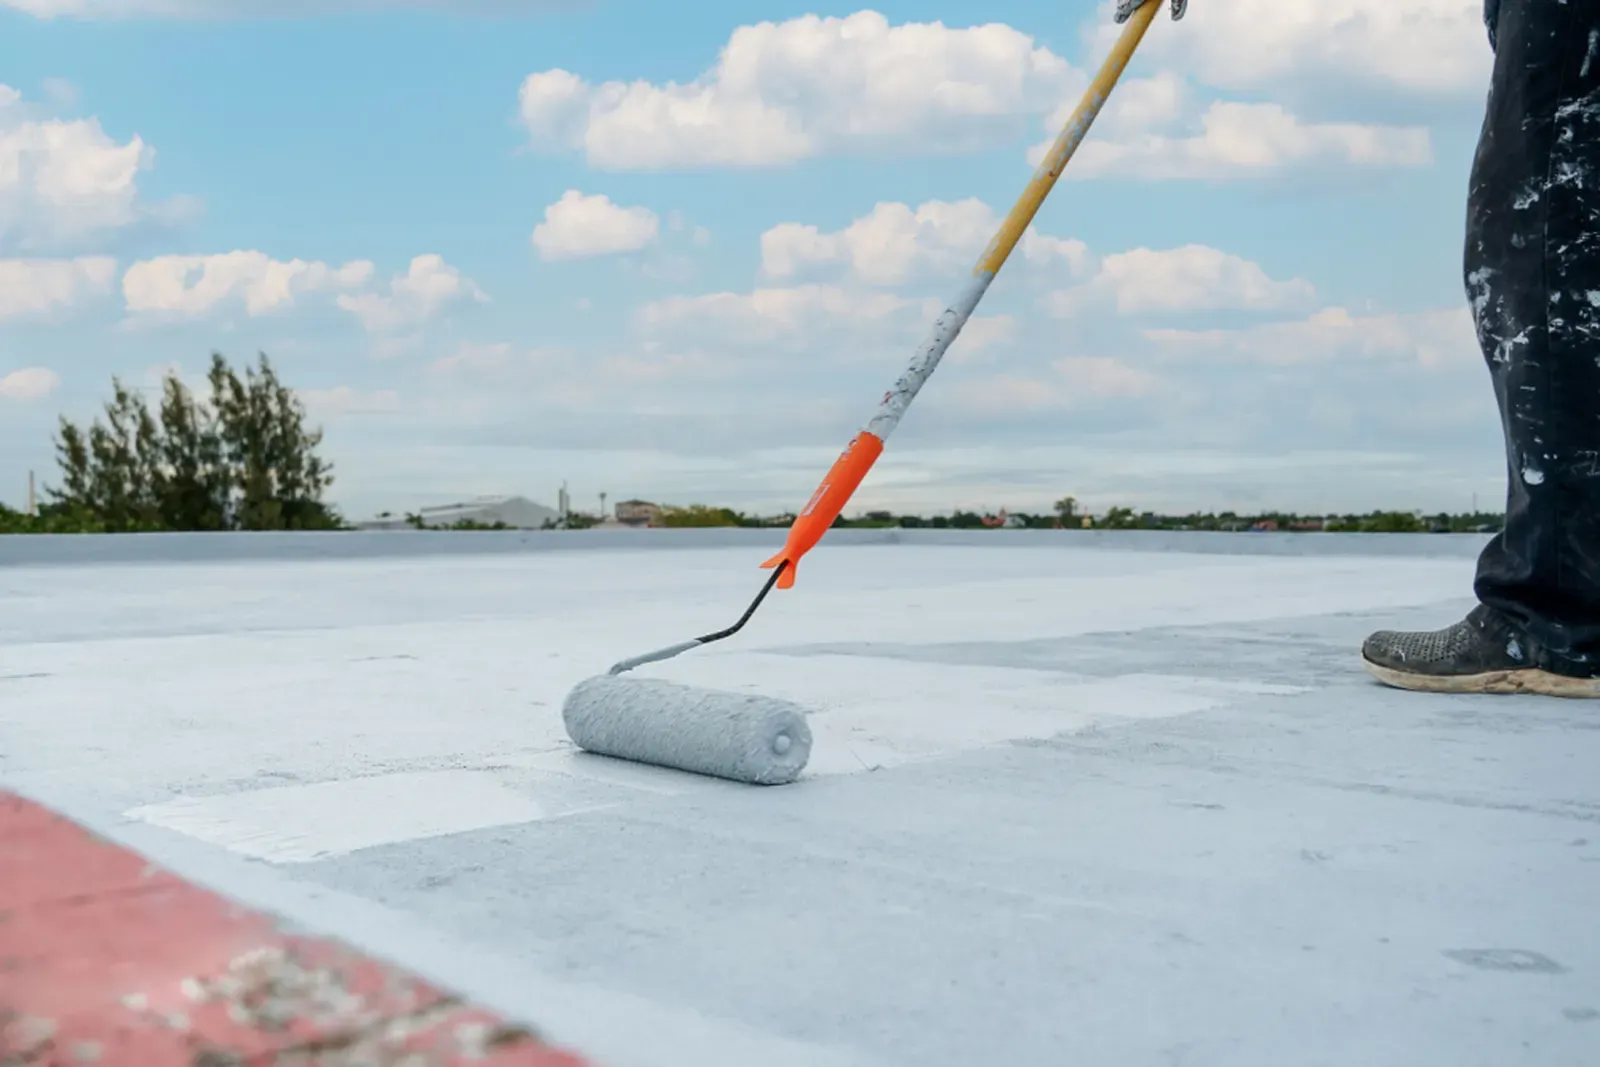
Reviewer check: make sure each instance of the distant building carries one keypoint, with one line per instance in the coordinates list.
(638, 513)
(517, 512)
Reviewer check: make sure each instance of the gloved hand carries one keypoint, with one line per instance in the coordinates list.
(1126, 8)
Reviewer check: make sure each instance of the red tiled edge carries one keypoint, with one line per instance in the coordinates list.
(107, 959)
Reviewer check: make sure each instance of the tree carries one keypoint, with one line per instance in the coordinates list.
(1119, 519)
(196, 494)
(701, 515)
(51, 519)
(1067, 509)
(1392, 522)
(244, 461)
(277, 476)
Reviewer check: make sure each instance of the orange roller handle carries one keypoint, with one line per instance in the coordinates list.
(826, 503)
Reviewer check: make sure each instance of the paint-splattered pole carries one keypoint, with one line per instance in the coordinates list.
(863, 451)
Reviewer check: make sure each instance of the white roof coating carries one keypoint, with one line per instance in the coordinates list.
(1073, 799)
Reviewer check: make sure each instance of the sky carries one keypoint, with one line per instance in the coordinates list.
(678, 252)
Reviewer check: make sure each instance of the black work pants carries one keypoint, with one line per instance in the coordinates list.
(1533, 277)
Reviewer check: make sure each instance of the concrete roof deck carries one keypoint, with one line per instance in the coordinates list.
(1074, 798)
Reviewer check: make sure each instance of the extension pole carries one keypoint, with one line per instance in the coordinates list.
(852, 466)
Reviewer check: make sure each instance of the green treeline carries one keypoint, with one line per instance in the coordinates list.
(240, 459)
(243, 458)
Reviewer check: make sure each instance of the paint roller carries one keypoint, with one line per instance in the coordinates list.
(762, 740)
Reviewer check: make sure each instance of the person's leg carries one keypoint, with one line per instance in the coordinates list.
(1532, 268)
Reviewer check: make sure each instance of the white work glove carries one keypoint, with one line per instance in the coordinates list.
(1126, 8)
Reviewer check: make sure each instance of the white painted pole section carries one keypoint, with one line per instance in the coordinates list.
(947, 327)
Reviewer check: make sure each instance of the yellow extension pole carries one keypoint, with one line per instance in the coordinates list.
(1067, 141)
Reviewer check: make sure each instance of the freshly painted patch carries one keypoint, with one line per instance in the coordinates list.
(305, 823)
(869, 714)
(571, 763)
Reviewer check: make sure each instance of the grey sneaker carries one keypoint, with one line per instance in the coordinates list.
(1479, 654)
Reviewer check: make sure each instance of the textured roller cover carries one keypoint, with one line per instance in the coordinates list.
(743, 738)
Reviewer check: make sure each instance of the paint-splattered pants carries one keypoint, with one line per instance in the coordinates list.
(1533, 276)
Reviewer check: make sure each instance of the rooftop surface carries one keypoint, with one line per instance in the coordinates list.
(1073, 799)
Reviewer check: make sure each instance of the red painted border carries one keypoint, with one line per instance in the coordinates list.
(105, 958)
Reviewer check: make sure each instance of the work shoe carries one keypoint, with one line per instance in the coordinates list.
(1480, 654)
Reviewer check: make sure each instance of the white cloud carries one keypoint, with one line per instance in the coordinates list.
(29, 383)
(809, 326)
(577, 226)
(781, 92)
(154, 377)
(62, 181)
(474, 378)
(785, 91)
(791, 315)
(1101, 377)
(191, 286)
(1420, 46)
(59, 92)
(343, 400)
(30, 287)
(475, 381)
(394, 347)
(699, 236)
(651, 368)
(894, 243)
(471, 357)
(1190, 278)
(1433, 339)
(1003, 394)
(429, 286)
(1073, 381)
(1238, 140)
(981, 336)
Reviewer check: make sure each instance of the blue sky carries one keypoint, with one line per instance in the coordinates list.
(678, 253)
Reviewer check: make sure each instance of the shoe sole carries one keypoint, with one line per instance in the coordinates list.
(1531, 680)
